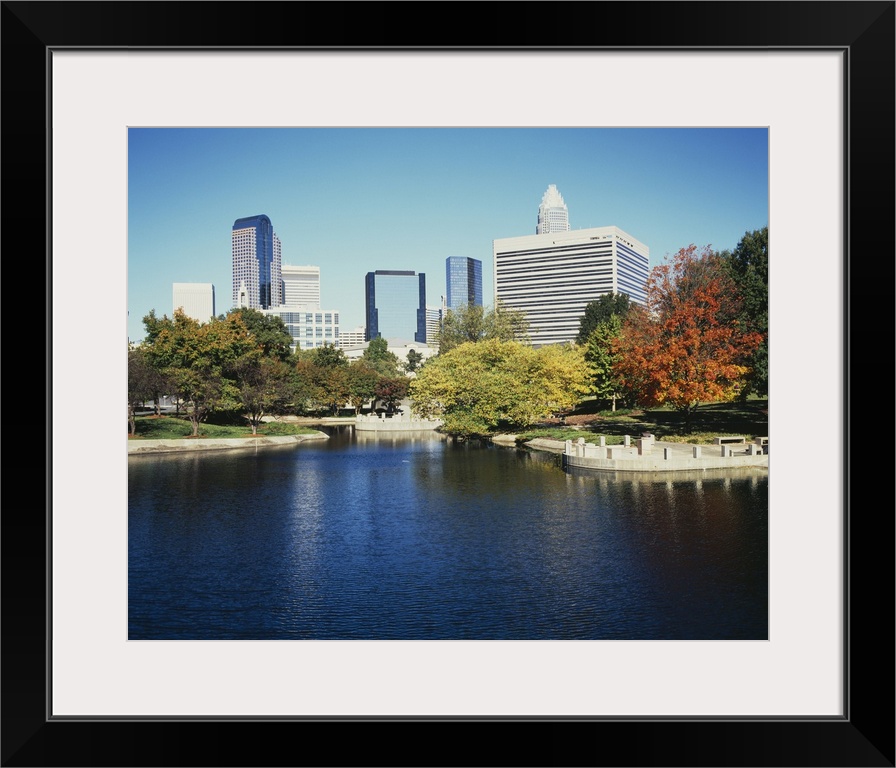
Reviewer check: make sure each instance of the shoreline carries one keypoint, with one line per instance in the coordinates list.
(661, 459)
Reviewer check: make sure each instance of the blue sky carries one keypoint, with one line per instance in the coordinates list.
(354, 200)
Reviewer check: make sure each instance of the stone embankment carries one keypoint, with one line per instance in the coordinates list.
(403, 422)
(152, 447)
(648, 455)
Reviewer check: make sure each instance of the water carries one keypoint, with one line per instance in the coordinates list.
(391, 537)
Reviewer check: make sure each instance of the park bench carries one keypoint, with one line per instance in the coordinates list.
(763, 441)
(730, 440)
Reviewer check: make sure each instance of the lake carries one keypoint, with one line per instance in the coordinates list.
(418, 537)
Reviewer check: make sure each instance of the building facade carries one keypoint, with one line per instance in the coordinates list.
(395, 305)
(257, 278)
(353, 338)
(463, 282)
(197, 300)
(553, 215)
(309, 326)
(301, 285)
(433, 325)
(552, 277)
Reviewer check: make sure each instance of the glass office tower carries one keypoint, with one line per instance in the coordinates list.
(256, 263)
(395, 302)
(463, 282)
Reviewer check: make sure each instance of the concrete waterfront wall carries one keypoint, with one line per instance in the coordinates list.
(400, 423)
(649, 456)
(185, 444)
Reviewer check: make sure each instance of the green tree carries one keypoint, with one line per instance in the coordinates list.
(472, 323)
(269, 330)
(414, 361)
(601, 356)
(144, 383)
(600, 310)
(378, 357)
(264, 386)
(748, 267)
(362, 381)
(327, 356)
(480, 387)
(197, 359)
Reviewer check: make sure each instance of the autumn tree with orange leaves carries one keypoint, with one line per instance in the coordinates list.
(687, 346)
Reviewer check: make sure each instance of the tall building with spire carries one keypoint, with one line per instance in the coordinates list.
(553, 215)
(257, 278)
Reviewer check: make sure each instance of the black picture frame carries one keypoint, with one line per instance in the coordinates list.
(864, 736)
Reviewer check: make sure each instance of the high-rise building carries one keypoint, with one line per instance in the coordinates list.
(395, 305)
(309, 326)
(301, 285)
(197, 300)
(257, 279)
(463, 281)
(553, 215)
(433, 325)
(552, 278)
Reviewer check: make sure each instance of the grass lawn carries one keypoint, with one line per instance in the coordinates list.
(168, 427)
(749, 418)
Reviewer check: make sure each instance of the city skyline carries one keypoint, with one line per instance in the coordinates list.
(353, 200)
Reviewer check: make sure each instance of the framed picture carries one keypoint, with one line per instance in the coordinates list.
(819, 75)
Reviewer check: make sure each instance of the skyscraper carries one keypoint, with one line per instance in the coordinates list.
(395, 305)
(463, 280)
(552, 279)
(197, 300)
(256, 263)
(301, 285)
(553, 215)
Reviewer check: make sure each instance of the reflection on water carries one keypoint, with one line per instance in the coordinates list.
(416, 536)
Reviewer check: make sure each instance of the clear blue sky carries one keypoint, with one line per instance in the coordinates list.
(354, 200)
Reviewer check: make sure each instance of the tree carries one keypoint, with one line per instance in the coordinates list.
(391, 390)
(480, 387)
(748, 267)
(327, 356)
(471, 323)
(602, 358)
(688, 345)
(144, 383)
(362, 382)
(269, 330)
(600, 310)
(197, 358)
(378, 357)
(414, 361)
(264, 386)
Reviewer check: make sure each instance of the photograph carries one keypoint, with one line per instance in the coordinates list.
(425, 393)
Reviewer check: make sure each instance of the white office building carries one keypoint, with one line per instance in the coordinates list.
(552, 277)
(301, 285)
(197, 300)
(553, 215)
(309, 326)
(355, 338)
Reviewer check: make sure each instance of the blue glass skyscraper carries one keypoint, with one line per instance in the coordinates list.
(395, 302)
(257, 279)
(463, 282)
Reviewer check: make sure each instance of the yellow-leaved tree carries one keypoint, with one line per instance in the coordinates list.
(479, 388)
